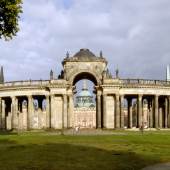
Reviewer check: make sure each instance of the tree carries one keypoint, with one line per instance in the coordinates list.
(9, 15)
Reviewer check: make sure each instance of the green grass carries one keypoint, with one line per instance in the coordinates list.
(46, 151)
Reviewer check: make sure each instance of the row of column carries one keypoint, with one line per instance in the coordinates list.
(155, 118)
(13, 108)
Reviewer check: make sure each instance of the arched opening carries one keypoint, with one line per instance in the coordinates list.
(84, 100)
(85, 75)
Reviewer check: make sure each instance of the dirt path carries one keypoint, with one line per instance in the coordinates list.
(165, 166)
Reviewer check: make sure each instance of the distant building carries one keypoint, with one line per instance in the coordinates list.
(85, 109)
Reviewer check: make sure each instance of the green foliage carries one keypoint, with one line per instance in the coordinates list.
(9, 15)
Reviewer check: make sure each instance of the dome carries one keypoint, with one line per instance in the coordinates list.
(84, 98)
(85, 55)
(84, 93)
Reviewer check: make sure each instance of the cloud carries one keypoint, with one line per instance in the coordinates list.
(134, 36)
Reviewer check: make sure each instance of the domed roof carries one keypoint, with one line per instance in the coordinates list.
(85, 54)
(84, 93)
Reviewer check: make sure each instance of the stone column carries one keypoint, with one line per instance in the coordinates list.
(160, 117)
(0, 113)
(130, 113)
(3, 115)
(14, 110)
(166, 113)
(122, 117)
(117, 111)
(156, 110)
(65, 115)
(52, 117)
(47, 111)
(98, 114)
(71, 112)
(30, 112)
(104, 110)
(151, 113)
(139, 111)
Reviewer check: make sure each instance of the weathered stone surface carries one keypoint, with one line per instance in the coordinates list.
(58, 96)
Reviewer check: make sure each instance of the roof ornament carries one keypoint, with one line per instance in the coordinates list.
(117, 73)
(101, 54)
(51, 75)
(1, 75)
(67, 55)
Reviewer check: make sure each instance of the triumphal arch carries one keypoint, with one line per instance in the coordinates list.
(120, 103)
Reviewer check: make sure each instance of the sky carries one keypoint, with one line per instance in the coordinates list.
(134, 36)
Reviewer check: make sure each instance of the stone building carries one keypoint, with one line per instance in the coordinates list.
(42, 104)
(85, 109)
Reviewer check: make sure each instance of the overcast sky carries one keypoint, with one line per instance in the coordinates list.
(134, 36)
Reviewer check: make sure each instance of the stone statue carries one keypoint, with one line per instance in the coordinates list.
(51, 75)
(101, 54)
(67, 54)
(117, 73)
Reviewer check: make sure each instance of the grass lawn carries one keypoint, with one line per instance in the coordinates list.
(47, 151)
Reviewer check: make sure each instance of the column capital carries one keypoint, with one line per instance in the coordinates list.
(140, 96)
(47, 96)
(52, 95)
(122, 95)
(29, 96)
(156, 95)
(64, 96)
(13, 97)
(99, 93)
(70, 95)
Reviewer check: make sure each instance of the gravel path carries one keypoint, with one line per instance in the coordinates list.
(165, 166)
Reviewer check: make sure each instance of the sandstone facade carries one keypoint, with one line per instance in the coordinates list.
(49, 104)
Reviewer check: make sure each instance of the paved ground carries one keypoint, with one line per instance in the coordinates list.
(165, 166)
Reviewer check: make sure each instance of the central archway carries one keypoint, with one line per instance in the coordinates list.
(85, 100)
(85, 75)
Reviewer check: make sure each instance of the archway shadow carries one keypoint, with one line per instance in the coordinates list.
(58, 156)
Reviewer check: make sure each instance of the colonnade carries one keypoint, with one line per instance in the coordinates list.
(132, 107)
(156, 111)
(17, 110)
